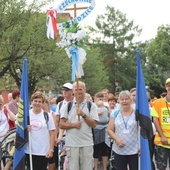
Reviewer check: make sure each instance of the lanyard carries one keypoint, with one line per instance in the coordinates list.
(125, 123)
(82, 105)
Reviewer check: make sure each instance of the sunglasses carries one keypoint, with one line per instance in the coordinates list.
(65, 89)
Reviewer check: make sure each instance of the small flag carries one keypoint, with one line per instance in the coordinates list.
(22, 122)
(143, 115)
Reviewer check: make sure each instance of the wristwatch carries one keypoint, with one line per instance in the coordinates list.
(84, 116)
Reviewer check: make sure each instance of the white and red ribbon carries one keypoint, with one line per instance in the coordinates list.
(51, 23)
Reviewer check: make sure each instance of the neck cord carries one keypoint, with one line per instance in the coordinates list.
(125, 123)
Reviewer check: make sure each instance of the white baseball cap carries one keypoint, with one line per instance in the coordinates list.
(167, 81)
(68, 85)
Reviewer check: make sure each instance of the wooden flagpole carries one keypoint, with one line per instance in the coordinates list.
(75, 9)
(77, 96)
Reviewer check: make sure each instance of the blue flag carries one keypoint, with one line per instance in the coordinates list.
(22, 122)
(143, 115)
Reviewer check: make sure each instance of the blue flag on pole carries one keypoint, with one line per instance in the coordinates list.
(143, 115)
(22, 122)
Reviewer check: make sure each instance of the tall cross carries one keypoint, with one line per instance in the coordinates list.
(75, 8)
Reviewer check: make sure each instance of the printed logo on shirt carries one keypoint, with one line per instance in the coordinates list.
(36, 124)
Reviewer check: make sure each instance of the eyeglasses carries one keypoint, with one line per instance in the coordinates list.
(65, 89)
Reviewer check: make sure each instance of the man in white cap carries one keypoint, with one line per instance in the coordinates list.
(161, 117)
(78, 123)
(67, 92)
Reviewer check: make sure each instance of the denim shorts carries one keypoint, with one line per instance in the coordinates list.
(161, 156)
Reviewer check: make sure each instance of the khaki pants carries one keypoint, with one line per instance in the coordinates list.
(80, 158)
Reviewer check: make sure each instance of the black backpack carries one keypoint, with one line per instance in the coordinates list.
(46, 117)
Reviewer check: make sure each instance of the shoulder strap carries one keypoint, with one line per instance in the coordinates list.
(89, 104)
(60, 104)
(69, 106)
(46, 117)
(116, 113)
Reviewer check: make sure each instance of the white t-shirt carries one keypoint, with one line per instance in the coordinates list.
(39, 134)
(4, 127)
(59, 106)
(79, 137)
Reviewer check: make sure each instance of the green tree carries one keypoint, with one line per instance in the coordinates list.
(116, 42)
(158, 53)
(95, 74)
(23, 33)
